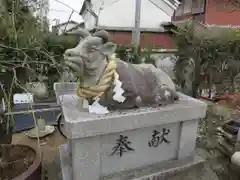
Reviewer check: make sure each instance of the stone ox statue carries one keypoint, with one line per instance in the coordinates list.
(143, 84)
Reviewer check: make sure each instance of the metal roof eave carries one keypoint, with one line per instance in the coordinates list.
(172, 3)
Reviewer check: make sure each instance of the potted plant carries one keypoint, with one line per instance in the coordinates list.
(17, 162)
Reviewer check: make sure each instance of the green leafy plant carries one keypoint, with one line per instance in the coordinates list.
(28, 52)
(147, 56)
(211, 57)
(128, 54)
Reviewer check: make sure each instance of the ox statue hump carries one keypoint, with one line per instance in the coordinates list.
(119, 85)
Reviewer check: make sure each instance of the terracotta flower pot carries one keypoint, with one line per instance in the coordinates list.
(15, 153)
(232, 99)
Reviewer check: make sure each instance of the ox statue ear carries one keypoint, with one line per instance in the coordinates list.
(80, 32)
(108, 48)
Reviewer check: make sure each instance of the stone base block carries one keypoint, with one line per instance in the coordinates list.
(66, 165)
(138, 141)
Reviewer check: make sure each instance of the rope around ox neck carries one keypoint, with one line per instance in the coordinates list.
(104, 83)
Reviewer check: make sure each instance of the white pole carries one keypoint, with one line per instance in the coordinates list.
(136, 31)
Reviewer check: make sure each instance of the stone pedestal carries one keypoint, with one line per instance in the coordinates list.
(133, 144)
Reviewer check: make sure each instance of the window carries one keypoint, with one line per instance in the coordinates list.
(190, 6)
(187, 6)
(198, 6)
(179, 10)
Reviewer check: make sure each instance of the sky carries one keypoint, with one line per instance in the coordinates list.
(59, 11)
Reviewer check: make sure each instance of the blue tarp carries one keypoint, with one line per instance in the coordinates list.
(23, 115)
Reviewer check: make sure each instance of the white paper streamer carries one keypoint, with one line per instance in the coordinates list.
(97, 108)
(118, 90)
(118, 96)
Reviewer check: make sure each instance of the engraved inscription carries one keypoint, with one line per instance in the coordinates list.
(158, 138)
(123, 145)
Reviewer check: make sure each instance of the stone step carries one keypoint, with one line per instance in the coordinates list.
(168, 170)
(66, 165)
(161, 171)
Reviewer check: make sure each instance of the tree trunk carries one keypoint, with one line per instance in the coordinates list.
(195, 85)
(5, 131)
(197, 76)
(194, 89)
(232, 84)
(210, 85)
